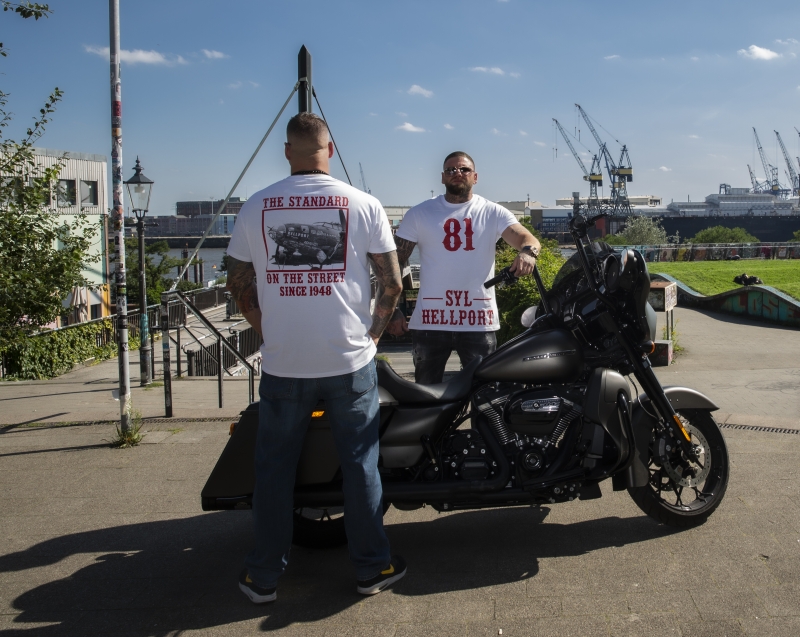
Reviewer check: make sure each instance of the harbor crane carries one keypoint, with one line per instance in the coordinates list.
(792, 172)
(594, 177)
(773, 186)
(619, 173)
(363, 181)
(758, 186)
(797, 158)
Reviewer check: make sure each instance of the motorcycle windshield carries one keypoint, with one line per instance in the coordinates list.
(596, 251)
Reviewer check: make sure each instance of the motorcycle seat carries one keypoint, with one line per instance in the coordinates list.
(406, 391)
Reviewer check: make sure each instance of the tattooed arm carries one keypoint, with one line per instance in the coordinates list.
(242, 286)
(398, 325)
(404, 249)
(390, 286)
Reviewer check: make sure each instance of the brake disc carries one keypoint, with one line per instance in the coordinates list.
(684, 472)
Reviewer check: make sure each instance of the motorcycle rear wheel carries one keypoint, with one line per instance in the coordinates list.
(680, 501)
(320, 528)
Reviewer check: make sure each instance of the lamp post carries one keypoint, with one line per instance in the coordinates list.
(139, 188)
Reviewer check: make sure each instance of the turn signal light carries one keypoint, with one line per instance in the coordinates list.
(317, 414)
(233, 426)
(648, 347)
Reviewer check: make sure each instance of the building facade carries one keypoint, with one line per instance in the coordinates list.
(208, 208)
(81, 190)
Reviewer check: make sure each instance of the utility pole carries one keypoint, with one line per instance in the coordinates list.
(118, 221)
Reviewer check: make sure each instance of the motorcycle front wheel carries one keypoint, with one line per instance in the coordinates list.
(680, 492)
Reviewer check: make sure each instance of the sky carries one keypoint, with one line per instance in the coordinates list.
(402, 84)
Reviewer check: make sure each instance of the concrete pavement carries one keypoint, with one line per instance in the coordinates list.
(98, 541)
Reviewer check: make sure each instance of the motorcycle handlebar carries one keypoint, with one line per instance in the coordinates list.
(505, 276)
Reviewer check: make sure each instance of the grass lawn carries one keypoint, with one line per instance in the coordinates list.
(714, 277)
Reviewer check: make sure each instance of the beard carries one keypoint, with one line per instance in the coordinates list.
(462, 189)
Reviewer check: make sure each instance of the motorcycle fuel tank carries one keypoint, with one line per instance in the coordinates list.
(553, 356)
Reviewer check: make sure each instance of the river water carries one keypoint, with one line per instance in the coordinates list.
(212, 260)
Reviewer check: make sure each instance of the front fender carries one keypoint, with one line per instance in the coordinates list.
(643, 423)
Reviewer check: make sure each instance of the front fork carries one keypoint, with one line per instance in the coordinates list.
(667, 417)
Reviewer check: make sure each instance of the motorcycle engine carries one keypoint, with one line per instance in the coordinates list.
(466, 457)
(529, 423)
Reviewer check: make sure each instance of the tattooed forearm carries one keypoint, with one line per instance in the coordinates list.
(242, 284)
(390, 286)
(404, 249)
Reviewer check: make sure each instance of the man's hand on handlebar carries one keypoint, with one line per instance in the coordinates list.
(523, 264)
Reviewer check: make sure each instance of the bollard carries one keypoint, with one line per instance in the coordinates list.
(220, 369)
(165, 355)
(190, 354)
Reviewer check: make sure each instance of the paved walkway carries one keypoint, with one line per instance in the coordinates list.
(99, 541)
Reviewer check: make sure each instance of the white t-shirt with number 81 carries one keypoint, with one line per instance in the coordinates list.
(456, 246)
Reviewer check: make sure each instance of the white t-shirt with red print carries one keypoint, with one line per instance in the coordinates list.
(456, 248)
(308, 237)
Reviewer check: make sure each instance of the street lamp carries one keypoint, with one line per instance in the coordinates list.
(139, 188)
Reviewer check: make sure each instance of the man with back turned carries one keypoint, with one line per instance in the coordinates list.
(298, 269)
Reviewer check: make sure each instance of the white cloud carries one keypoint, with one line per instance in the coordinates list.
(236, 84)
(138, 56)
(495, 70)
(416, 89)
(754, 52)
(611, 57)
(398, 113)
(408, 127)
(373, 114)
(665, 169)
(449, 127)
(215, 55)
(788, 42)
(523, 133)
(514, 74)
(694, 59)
(694, 136)
(540, 144)
(498, 132)
(253, 84)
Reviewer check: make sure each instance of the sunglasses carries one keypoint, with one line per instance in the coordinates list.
(464, 170)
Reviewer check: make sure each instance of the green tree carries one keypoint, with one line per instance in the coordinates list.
(513, 300)
(641, 231)
(796, 235)
(159, 270)
(41, 256)
(721, 234)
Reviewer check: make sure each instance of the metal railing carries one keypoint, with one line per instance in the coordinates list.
(206, 298)
(222, 350)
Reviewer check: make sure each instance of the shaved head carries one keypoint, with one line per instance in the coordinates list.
(307, 134)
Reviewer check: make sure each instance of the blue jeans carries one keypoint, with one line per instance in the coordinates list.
(351, 402)
(431, 349)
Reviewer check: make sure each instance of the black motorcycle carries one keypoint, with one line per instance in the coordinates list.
(544, 419)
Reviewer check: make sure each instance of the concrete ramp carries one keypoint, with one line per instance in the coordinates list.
(760, 302)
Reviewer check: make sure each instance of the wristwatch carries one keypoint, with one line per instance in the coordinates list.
(532, 250)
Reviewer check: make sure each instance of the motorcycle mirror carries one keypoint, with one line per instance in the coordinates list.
(529, 316)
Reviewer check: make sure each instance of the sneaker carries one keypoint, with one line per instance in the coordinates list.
(389, 575)
(256, 594)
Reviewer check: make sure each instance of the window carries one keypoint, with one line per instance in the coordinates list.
(88, 193)
(66, 193)
(96, 309)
